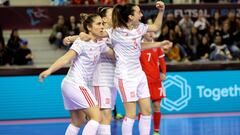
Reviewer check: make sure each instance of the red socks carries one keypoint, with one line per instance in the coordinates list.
(156, 121)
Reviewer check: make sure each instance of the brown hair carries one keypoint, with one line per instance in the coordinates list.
(88, 21)
(120, 14)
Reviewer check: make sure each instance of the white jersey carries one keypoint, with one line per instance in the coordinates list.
(83, 66)
(104, 73)
(127, 47)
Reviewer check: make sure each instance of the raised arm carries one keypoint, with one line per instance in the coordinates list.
(158, 21)
(83, 36)
(62, 61)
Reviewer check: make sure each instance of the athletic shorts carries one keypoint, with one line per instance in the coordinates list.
(132, 89)
(105, 96)
(77, 96)
(157, 91)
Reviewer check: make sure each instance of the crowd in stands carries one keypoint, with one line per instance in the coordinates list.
(16, 52)
(195, 39)
(202, 39)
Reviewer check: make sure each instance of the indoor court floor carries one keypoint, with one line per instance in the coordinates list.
(190, 124)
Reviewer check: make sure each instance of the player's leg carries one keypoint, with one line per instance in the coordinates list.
(92, 111)
(127, 90)
(104, 98)
(156, 115)
(77, 119)
(92, 125)
(157, 93)
(144, 106)
(145, 116)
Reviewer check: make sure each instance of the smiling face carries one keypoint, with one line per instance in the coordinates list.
(136, 17)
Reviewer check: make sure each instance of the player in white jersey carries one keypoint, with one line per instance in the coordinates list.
(76, 92)
(104, 89)
(131, 81)
(103, 85)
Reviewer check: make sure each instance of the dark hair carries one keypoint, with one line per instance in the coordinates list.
(102, 11)
(120, 14)
(88, 21)
(12, 33)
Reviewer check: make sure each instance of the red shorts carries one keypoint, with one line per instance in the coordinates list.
(156, 90)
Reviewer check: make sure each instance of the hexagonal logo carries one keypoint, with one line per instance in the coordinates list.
(185, 93)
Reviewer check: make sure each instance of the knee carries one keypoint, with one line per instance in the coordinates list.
(95, 115)
(146, 111)
(130, 115)
(106, 118)
(156, 107)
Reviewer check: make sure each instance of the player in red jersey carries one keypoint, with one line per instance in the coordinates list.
(152, 61)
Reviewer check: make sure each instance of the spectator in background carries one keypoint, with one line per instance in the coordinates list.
(59, 2)
(173, 54)
(164, 35)
(12, 45)
(216, 21)
(233, 21)
(72, 26)
(1, 37)
(23, 55)
(4, 2)
(203, 49)
(14, 41)
(219, 51)
(179, 40)
(170, 21)
(59, 31)
(228, 39)
(201, 23)
(186, 25)
(193, 42)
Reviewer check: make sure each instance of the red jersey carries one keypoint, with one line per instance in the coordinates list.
(150, 60)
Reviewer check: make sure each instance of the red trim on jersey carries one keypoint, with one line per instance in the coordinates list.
(98, 95)
(87, 96)
(120, 84)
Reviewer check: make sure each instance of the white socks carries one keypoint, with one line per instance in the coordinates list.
(127, 126)
(91, 128)
(72, 130)
(104, 130)
(145, 125)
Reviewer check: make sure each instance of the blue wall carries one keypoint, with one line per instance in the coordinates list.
(187, 92)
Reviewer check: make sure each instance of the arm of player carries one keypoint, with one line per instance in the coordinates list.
(83, 36)
(158, 21)
(163, 68)
(62, 61)
(164, 45)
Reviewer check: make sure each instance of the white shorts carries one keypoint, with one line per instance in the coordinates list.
(77, 96)
(132, 89)
(105, 96)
